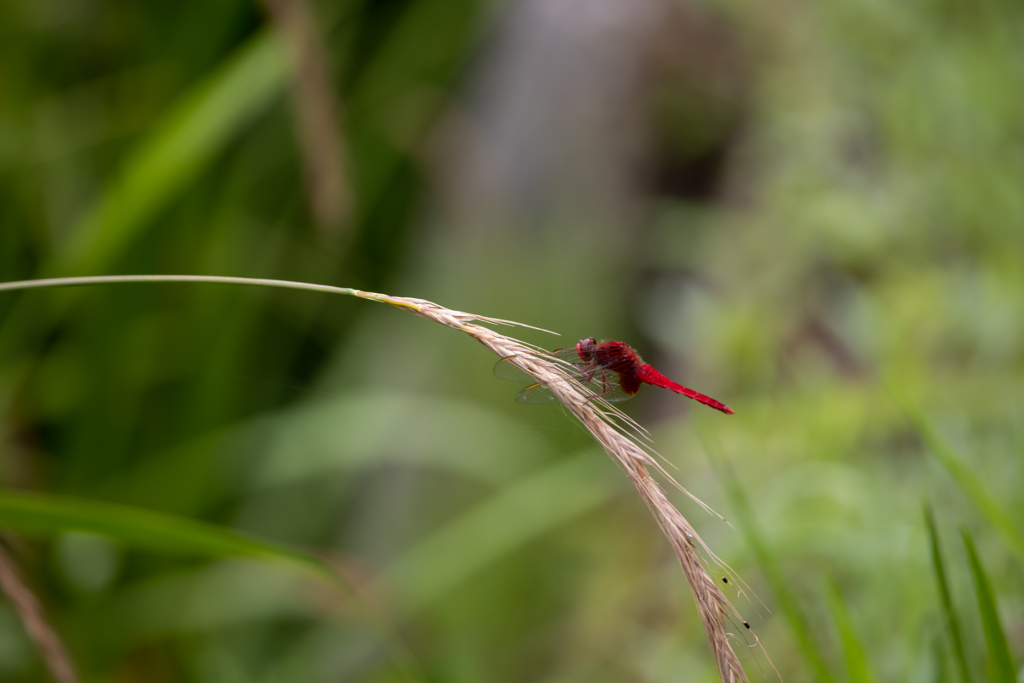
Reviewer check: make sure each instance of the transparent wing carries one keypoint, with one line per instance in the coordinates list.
(535, 394)
(597, 381)
(604, 384)
(503, 369)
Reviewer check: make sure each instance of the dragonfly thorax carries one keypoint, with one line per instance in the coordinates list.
(617, 357)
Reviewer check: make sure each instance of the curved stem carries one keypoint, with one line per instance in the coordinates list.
(210, 279)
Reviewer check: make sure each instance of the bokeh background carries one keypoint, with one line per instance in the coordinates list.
(811, 211)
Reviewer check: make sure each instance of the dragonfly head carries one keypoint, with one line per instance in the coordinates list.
(586, 348)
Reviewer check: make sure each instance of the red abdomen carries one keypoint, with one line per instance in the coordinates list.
(645, 373)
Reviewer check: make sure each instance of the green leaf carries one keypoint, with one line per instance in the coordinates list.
(47, 515)
(191, 134)
(1000, 661)
(857, 668)
(952, 623)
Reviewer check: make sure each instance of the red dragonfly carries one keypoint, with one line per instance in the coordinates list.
(611, 369)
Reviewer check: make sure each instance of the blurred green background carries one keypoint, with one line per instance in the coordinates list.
(812, 212)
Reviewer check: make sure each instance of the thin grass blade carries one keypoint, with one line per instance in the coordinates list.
(1000, 662)
(857, 668)
(949, 613)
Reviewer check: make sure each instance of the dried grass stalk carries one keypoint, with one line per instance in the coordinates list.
(603, 421)
(32, 617)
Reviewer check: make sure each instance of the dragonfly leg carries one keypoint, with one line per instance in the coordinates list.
(586, 371)
(591, 397)
(606, 389)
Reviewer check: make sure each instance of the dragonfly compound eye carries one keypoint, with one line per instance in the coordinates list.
(585, 348)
